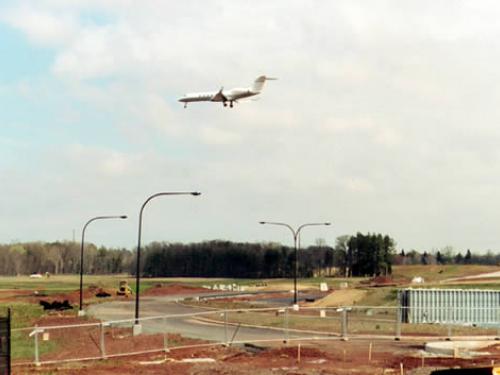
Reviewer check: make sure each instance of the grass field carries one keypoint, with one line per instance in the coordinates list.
(439, 273)
(26, 314)
(360, 321)
(434, 275)
(61, 284)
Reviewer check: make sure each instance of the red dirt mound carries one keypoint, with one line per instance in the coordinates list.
(379, 281)
(173, 289)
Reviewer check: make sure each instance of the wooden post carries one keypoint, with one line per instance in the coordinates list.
(401, 367)
(226, 337)
(165, 336)
(344, 324)
(399, 317)
(102, 341)
(37, 352)
(286, 324)
(370, 352)
(298, 354)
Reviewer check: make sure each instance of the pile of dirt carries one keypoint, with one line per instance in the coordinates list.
(174, 289)
(380, 281)
(342, 297)
(29, 296)
(73, 297)
(332, 357)
(293, 351)
(56, 305)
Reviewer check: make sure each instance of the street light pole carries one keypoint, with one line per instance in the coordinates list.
(137, 327)
(80, 310)
(296, 234)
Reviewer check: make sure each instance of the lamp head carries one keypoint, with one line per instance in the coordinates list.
(195, 193)
(123, 217)
(328, 223)
(262, 222)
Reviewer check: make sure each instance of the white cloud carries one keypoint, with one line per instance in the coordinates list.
(41, 26)
(90, 56)
(358, 185)
(384, 106)
(388, 137)
(219, 136)
(339, 125)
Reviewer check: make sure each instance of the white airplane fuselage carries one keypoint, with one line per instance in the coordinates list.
(230, 95)
(226, 96)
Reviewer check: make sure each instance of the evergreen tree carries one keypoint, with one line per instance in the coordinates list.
(439, 258)
(468, 257)
(423, 258)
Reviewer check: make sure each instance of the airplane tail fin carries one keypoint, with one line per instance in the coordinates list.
(258, 84)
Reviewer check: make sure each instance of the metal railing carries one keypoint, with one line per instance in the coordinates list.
(107, 339)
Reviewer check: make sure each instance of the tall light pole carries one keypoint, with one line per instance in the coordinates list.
(296, 234)
(80, 311)
(137, 327)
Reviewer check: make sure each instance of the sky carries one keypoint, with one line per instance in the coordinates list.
(385, 118)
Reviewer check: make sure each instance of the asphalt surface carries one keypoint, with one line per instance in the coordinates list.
(194, 326)
(475, 277)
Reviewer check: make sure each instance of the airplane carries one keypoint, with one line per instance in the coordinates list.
(225, 96)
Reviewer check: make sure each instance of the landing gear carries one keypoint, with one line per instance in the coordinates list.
(225, 104)
(231, 104)
(185, 105)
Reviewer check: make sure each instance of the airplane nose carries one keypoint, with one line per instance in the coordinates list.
(182, 100)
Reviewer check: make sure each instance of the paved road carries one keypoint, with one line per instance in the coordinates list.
(483, 275)
(187, 326)
(476, 277)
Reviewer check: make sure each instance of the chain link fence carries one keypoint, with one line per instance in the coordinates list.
(54, 344)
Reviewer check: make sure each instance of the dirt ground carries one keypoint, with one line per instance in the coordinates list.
(315, 358)
(30, 296)
(334, 357)
(341, 297)
(174, 289)
(89, 294)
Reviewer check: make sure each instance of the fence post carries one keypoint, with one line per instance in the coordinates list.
(399, 313)
(226, 338)
(498, 324)
(449, 325)
(165, 336)
(286, 325)
(344, 323)
(37, 353)
(102, 346)
(5, 344)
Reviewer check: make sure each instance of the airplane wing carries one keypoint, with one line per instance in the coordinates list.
(219, 97)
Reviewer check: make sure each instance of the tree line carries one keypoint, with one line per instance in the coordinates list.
(364, 255)
(204, 259)
(237, 260)
(446, 255)
(62, 258)
(352, 256)
(357, 255)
